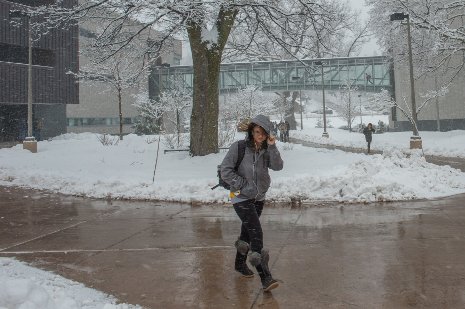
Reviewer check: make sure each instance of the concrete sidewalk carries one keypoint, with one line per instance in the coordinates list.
(392, 255)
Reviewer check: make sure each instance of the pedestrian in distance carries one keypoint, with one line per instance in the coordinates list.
(368, 132)
(249, 183)
(282, 131)
(288, 128)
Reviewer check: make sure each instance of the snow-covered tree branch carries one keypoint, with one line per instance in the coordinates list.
(173, 106)
(438, 34)
(344, 104)
(208, 25)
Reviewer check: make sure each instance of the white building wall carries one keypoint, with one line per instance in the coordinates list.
(451, 107)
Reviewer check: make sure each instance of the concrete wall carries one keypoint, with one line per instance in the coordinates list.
(447, 112)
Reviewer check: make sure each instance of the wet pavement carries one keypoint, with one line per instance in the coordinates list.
(161, 255)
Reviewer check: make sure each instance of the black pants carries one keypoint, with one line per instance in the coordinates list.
(368, 143)
(251, 230)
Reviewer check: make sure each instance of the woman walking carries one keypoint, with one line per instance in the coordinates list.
(368, 132)
(249, 184)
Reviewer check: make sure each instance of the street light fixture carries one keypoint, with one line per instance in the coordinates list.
(325, 134)
(298, 78)
(415, 140)
(29, 142)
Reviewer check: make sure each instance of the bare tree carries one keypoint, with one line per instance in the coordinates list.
(248, 102)
(122, 71)
(208, 25)
(241, 106)
(383, 101)
(173, 105)
(438, 34)
(344, 105)
(338, 33)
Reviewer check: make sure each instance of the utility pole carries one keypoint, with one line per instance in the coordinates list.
(438, 119)
(415, 140)
(361, 120)
(325, 134)
(301, 111)
(29, 143)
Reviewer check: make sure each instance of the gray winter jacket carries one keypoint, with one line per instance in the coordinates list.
(252, 178)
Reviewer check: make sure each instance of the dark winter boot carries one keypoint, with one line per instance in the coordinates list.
(260, 261)
(240, 264)
(269, 283)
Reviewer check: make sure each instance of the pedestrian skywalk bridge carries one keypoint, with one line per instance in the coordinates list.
(368, 74)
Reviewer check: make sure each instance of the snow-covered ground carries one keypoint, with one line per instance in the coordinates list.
(25, 287)
(449, 144)
(79, 164)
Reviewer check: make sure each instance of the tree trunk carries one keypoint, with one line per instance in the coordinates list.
(289, 116)
(206, 58)
(154, 93)
(204, 118)
(178, 130)
(350, 115)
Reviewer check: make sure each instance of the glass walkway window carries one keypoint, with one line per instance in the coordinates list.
(369, 74)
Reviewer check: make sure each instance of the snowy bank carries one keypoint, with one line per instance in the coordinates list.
(79, 164)
(24, 287)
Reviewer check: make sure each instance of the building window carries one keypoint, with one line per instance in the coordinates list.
(79, 122)
(44, 57)
(33, 2)
(20, 54)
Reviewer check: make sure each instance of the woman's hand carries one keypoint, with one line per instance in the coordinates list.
(271, 140)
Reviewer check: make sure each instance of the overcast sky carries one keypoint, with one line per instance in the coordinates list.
(371, 48)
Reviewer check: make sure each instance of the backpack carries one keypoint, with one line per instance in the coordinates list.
(241, 151)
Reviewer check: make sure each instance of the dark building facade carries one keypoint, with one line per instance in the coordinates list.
(54, 55)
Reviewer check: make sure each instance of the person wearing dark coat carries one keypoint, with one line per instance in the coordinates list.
(248, 185)
(288, 128)
(368, 132)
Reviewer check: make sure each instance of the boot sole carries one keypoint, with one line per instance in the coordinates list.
(272, 286)
(245, 276)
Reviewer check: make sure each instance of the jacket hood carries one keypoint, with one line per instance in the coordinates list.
(263, 121)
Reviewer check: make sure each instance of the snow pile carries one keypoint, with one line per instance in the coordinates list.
(24, 287)
(388, 177)
(79, 164)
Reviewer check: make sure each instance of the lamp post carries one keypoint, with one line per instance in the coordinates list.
(301, 110)
(415, 140)
(325, 134)
(361, 119)
(29, 142)
(438, 119)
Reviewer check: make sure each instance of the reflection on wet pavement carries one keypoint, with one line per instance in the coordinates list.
(162, 255)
